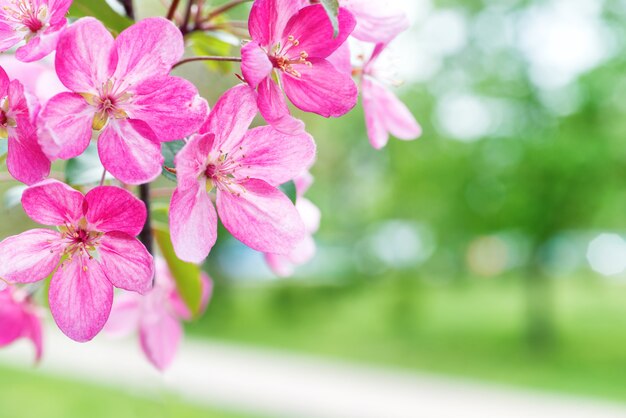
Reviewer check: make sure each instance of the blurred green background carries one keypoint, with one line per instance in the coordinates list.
(493, 247)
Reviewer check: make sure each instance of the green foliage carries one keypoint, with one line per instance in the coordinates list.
(84, 169)
(289, 189)
(169, 151)
(214, 43)
(102, 11)
(186, 275)
(332, 9)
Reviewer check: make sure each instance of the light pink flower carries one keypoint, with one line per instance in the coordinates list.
(37, 22)
(122, 88)
(39, 78)
(376, 21)
(19, 318)
(384, 113)
(284, 265)
(93, 250)
(295, 43)
(18, 109)
(157, 315)
(245, 167)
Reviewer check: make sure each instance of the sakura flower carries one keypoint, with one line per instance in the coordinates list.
(284, 265)
(93, 250)
(384, 113)
(18, 109)
(157, 315)
(19, 318)
(294, 44)
(121, 88)
(37, 22)
(244, 167)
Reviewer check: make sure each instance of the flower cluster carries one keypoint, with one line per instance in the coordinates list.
(118, 92)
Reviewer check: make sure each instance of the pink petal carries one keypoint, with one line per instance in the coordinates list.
(255, 64)
(341, 59)
(303, 182)
(191, 160)
(51, 202)
(231, 116)
(280, 265)
(30, 256)
(8, 37)
(38, 47)
(377, 22)
(169, 105)
(273, 156)
(261, 217)
(80, 298)
(58, 9)
(124, 318)
(85, 58)
(315, 33)
(4, 83)
(130, 151)
(126, 262)
(33, 332)
(268, 19)
(385, 113)
(274, 109)
(160, 335)
(12, 319)
(111, 208)
(310, 214)
(66, 126)
(321, 89)
(193, 223)
(26, 161)
(147, 49)
(180, 308)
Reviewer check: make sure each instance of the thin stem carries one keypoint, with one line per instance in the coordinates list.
(172, 10)
(128, 8)
(184, 27)
(224, 8)
(104, 174)
(145, 236)
(206, 58)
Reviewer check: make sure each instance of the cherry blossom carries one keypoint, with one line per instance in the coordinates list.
(93, 250)
(36, 22)
(157, 316)
(244, 167)
(19, 318)
(121, 88)
(294, 44)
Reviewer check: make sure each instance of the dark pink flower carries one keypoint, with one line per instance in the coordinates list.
(19, 318)
(244, 167)
(18, 109)
(384, 113)
(121, 87)
(294, 44)
(93, 250)
(37, 22)
(157, 315)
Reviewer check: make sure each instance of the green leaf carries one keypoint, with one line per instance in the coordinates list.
(4, 149)
(169, 151)
(102, 11)
(289, 189)
(13, 196)
(186, 275)
(84, 169)
(332, 10)
(214, 43)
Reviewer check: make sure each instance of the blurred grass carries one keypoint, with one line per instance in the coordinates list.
(26, 394)
(473, 328)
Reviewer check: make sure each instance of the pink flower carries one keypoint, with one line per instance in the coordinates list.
(384, 113)
(38, 78)
(19, 318)
(295, 44)
(157, 315)
(122, 88)
(376, 21)
(93, 250)
(244, 167)
(284, 265)
(37, 22)
(25, 160)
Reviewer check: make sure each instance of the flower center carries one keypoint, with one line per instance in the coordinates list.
(79, 239)
(283, 60)
(5, 121)
(27, 16)
(221, 168)
(108, 103)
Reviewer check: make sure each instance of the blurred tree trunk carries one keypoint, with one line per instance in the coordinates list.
(540, 327)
